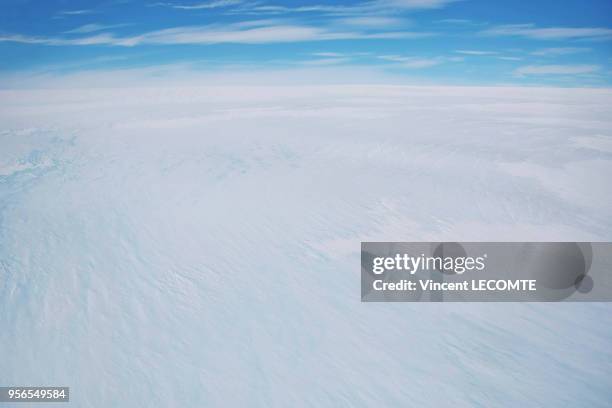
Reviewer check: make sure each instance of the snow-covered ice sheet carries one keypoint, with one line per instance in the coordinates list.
(190, 247)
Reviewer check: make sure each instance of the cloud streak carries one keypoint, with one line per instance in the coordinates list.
(326, 61)
(476, 52)
(201, 6)
(556, 70)
(551, 33)
(373, 21)
(74, 12)
(417, 62)
(557, 51)
(91, 28)
(101, 39)
(253, 32)
(366, 9)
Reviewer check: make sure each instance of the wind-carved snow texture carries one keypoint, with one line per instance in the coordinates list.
(189, 247)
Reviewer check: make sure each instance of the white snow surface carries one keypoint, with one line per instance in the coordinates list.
(199, 246)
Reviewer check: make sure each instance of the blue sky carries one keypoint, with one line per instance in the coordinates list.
(467, 42)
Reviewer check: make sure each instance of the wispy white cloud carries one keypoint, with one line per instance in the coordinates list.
(372, 21)
(326, 61)
(550, 33)
(328, 54)
(200, 6)
(417, 62)
(553, 52)
(344, 56)
(91, 40)
(454, 21)
(556, 70)
(481, 53)
(253, 32)
(367, 8)
(476, 52)
(415, 4)
(91, 28)
(75, 12)
(256, 35)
